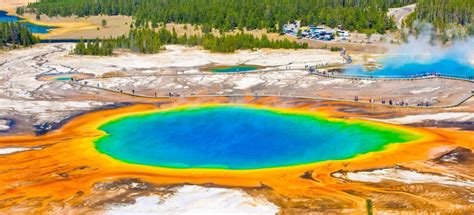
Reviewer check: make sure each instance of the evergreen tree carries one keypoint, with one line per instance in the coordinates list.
(227, 15)
(15, 34)
(442, 12)
(149, 41)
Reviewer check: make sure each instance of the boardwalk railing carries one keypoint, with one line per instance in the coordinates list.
(391, 78)
(270, 95)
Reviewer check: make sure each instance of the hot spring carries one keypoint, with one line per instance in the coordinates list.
(392, 67)
(420, 56)
(240, 137)
(64, 78)
(242, 68)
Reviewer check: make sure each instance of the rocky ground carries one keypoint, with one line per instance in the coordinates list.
(32, 101)
(29, 99)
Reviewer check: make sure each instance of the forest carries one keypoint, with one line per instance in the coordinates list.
(227, 15)
(13, 35)
(149, 41)
(443, 12)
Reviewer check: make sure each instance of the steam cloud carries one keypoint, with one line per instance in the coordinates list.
(422, 49)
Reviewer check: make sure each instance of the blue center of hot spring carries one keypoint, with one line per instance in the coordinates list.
(233, 137)
(235, 69)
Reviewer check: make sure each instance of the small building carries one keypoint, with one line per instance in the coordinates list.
(297, 24)
(342, 33)
(292, 27)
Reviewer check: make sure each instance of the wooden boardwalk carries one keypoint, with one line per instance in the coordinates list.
(456, 104)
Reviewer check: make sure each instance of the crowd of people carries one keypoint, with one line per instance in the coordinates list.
(391, 102)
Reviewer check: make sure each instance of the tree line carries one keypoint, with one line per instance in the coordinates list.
(97, 47)
(16, 34)
(149, 41)
(227, 15)
(444, 12)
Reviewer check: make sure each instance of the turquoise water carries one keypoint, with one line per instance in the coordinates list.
(38, 29)
(235, 69)
(233, 137)
(63, 79)
(446, 66)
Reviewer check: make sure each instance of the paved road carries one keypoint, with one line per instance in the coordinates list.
(400, 13)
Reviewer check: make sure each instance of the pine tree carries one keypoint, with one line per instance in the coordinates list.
(228, 15)
(16, 34)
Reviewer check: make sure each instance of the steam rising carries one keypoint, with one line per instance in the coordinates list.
(423, 50)
(422, 56)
